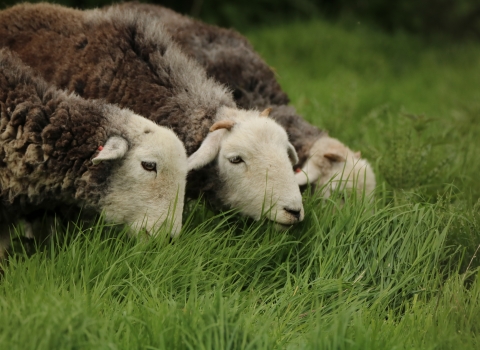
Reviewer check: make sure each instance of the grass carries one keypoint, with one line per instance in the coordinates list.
(399, 273)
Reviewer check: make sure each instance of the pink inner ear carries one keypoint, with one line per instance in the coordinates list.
(334, 157)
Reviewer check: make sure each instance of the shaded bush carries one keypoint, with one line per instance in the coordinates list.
(455, 18)
(452, 18)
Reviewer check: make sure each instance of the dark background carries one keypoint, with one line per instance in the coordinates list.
(454, 19)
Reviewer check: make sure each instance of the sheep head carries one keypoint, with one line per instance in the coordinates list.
(147, 183)
(333, 165)
(254, 159)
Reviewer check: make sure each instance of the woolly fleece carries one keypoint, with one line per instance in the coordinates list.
(46, 144)
(228, 57)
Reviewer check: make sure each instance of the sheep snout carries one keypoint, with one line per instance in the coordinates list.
(293, 212)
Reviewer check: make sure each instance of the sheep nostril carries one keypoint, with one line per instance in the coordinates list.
(294, 213)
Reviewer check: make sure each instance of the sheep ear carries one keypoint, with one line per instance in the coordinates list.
(207, 151)
(292, 154)
(115, 148)
(309, 174)
(210, 146)
(266, 112)
(334, 157)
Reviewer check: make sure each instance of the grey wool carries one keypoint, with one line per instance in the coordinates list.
(228, 57)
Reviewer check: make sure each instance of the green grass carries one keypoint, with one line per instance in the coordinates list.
(399, 273)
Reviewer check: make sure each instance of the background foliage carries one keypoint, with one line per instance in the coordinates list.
(446, 18)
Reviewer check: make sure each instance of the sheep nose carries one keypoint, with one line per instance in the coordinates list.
(293, 212)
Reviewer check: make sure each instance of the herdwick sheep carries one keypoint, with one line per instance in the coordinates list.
(334, 165)
(228, 57)
(58, 149)
(126, 57)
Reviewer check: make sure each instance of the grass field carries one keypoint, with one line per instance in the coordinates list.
(399, 273)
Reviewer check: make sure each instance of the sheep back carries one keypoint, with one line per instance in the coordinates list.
(140, 68)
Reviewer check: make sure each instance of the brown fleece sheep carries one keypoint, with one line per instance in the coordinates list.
(228, 57)
(58, 149)
(126, 57)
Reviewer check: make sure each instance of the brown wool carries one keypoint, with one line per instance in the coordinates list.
(46, 142)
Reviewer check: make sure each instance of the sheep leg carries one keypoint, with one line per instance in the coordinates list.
(4, 241)
(40, 225)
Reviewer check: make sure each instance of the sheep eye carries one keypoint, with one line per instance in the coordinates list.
(149, 166)
(235, 160)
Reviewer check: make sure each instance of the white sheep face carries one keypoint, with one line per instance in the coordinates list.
(333, 165)
(255, 166)
(147, 186)
(254, 159)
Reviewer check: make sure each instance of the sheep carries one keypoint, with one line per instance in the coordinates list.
(57, 149)
(334, 165)
(238, 158)
(228, 57)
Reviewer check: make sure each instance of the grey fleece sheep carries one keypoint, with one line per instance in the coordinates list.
(228, 57)
(242, 160)
(58, 149)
